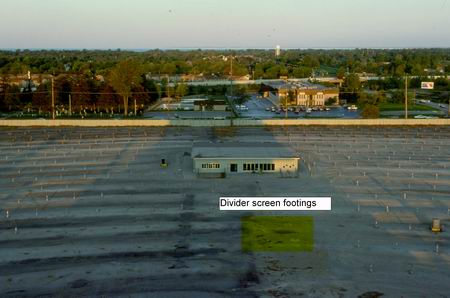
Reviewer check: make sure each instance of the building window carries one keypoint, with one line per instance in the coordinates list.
(211, 166)
(254, 167)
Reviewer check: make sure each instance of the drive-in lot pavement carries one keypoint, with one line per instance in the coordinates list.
(89, 211)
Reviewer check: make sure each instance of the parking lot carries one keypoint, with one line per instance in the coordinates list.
(257, 108)
(89, 211)
(186, 114)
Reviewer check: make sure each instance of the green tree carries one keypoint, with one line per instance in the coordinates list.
(169, 68)
(181, 90)
(140, 97)
(400, 70)
(80, 94)
(159, 90)
(302, 72)
(12, 98)
(259, 71)
(370, 111)
(352, 83)
(351, 87)
(397, 96)
(42, 98)
(108, 99)
(123, 77)
(373, 98)
(340, 74)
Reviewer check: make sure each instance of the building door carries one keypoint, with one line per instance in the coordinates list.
(233, 167)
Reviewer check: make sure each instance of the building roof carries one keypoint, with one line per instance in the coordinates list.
(242, 150)
(211, 102)
(315, 91)
(301, 86)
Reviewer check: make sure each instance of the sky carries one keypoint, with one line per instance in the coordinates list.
(148, 24)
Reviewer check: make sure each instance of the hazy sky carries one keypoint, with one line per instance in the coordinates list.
(141, 24)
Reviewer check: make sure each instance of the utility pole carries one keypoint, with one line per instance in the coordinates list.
(135, 108)
(231, 101)
(53, 98)
(70, 104)
(168, 91)
(406, 97)
(286, 98)
(231, 78)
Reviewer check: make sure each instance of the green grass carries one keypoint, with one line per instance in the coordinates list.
(330, 69)
(277, 233)
(384, 107)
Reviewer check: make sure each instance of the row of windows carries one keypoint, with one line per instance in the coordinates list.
(210, 166)
(304, 96)
(259, 167)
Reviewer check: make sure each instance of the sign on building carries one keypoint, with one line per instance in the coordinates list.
(427, 85)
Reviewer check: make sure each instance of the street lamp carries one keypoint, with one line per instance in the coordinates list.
(53, 97)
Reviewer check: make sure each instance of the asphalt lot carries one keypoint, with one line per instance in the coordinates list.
(186, 114)
(89, 211)
(257, 109)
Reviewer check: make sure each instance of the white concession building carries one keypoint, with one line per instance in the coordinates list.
(228, 158)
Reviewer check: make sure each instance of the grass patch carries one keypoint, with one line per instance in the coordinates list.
(332, 71)
(277, 233)
(385, 107)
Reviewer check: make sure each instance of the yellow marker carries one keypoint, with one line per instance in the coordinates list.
(436, 225)
(163, 163)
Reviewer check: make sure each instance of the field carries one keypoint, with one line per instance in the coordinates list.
(89, 211)
(277, 233)
(384, 107)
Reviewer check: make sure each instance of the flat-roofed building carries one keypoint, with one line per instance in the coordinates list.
(228, 158)
(304, 93)
(315, 97)
(210, 105)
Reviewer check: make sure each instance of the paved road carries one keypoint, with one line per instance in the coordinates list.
(443, 107)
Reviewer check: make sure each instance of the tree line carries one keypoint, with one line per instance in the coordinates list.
(217, 63)
(109, 81)
(84, 93)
